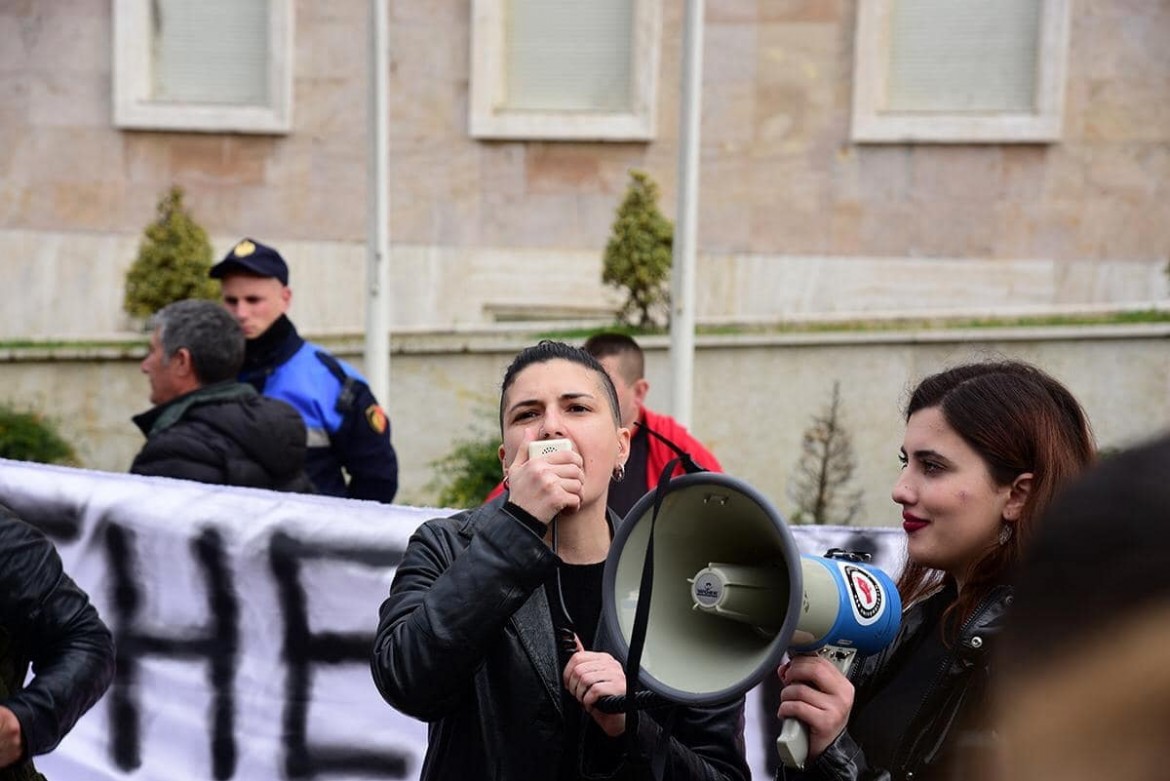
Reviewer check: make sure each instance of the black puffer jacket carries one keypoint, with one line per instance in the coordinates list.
(466, 642)
(225, 434)
(946, 724)
(48, 622)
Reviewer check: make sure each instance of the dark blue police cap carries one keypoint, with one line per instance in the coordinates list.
(252, 257)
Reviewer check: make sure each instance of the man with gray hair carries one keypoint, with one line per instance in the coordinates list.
(206, 426)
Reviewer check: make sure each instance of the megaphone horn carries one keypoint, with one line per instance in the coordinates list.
(720, 551)
(731, 595)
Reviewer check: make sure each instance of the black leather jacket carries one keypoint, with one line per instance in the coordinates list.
(943, 728)
(46, 621)
(225, 434)
(466, 642)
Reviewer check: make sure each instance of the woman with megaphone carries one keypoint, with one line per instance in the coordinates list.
(986, 447)
(492, 633)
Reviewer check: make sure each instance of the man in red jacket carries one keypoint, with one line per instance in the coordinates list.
(626, 365)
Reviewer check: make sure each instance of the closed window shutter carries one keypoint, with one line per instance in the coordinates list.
(569, 55)
(211, 51)
(959, 56)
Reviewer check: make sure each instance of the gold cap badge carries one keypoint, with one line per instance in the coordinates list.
(244, 249)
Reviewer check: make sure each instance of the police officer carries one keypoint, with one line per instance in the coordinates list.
(347, 428)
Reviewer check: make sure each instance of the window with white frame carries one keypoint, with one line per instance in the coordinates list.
(564, 69)
(959, 70)
(211, 65)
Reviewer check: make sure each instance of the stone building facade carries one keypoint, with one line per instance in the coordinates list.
(797, 217)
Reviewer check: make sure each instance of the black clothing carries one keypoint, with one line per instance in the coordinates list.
(947, 718)
(625, 493)
(880, 722)
(465, 641)
(578, 589)
(225, 434)
(581, 588)
(268, 350)
(48, 622)
(348, 433)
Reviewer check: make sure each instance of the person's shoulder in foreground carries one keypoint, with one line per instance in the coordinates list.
(48, 622)
(1085, 688)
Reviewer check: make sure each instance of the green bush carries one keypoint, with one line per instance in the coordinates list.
(466, 475)
(173, 260)
(29, 436)
(638, 255)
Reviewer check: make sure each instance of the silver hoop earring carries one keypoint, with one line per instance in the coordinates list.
(619, 473)
(1005, 533)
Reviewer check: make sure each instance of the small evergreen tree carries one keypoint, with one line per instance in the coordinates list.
(29, 436)
(825, 468)
(172, 263)
(465, 476)
(638, 255)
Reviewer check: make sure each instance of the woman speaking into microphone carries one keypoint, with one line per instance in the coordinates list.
(491, 632)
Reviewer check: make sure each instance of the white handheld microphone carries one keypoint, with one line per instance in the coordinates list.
(542, 448)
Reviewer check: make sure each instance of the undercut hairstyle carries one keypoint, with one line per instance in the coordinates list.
(1018, 419)
(208, 331)
(547, 350)
(631, 359)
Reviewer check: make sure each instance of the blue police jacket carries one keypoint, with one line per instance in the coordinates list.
(347, 428)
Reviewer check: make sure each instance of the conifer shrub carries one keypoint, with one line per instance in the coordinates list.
(465, 476)
(173, 260)
(29, 436)
(638, 255)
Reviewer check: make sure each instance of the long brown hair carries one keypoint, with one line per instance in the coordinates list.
(1018, 419)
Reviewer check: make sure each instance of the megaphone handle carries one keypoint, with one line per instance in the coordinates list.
(792, 743)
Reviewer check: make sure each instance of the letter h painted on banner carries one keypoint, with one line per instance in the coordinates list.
(218, 644)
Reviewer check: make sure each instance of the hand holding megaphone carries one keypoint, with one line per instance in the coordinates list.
(849, 608)
(815, 704)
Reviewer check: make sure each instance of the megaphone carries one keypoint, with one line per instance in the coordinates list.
(731, 595)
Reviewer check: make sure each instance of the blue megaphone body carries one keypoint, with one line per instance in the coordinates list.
(846, 604)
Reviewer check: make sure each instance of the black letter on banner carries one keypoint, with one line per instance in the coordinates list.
(218, 644)
(303, 648)
(59, 521)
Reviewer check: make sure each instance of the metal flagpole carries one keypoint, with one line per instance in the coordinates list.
(682, 295)
(377, 341)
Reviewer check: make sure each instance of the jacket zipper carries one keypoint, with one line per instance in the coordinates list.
(902, 756)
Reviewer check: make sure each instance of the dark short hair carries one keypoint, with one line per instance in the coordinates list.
(208, 331)
(611, 343)
(548, 350)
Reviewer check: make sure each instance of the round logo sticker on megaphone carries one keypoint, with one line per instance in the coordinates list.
(866, 593)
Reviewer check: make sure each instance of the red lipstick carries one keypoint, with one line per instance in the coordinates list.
(912, 523)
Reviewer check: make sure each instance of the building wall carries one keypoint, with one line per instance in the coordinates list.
(754, 396)
(794, 218)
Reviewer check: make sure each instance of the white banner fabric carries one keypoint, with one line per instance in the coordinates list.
(244, 621)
